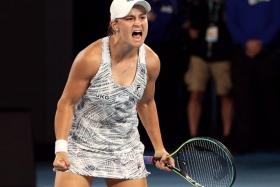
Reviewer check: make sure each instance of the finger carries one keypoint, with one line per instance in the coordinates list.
(163, 165)
(170, 166)
(172, 162)
(66, 163)
(168, 163)
(160, 165)
(59, 168)
(61, 165)
(55, 169)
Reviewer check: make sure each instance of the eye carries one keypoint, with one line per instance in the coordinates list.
(143, 17)
(129, 18)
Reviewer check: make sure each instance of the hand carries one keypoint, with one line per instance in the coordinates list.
(164, 161)
(193, 33)
(152, 16)
(253, 48)
(61, 162)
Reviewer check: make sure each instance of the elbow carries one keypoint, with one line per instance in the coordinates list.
(60, 104)
(144, 105)
(63, 104)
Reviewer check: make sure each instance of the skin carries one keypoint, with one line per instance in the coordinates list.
(124, 52)
(253, 47)
(194, 110)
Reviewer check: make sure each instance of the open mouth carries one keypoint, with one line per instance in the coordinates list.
(137, 34)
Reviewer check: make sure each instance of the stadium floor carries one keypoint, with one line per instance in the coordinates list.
(260, 169)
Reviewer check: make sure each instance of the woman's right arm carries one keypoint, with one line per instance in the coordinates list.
(83, 69)
(75, 87)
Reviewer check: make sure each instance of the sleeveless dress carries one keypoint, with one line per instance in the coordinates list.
(104, 140)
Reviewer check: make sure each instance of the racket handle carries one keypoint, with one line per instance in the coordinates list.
(149, 159)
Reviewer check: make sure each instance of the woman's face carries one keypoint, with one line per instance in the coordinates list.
(133, 28)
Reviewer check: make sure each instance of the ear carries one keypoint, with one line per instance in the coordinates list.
(114, 25)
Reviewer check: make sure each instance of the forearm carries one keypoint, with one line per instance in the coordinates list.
(149, 118)
(63, 120)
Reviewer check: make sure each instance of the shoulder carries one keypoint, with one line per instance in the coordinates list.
(152, 62)
(88, 60)
(92, 53)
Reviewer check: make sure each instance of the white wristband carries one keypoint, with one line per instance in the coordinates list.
(61, 146)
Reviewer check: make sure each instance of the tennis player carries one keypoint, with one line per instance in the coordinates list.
(111, 82)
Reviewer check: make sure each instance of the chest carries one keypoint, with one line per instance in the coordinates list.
(124, 73)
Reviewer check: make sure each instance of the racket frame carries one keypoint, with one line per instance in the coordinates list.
(186, 176)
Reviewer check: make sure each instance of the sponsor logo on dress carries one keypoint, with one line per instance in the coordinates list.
(102, 96)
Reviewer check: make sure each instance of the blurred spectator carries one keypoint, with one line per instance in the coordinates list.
(162, 20)
(254, 25)
(210, 49)
(164, 38)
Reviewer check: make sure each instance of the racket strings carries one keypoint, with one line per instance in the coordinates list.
(206, 162)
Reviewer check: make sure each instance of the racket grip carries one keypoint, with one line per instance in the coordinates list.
(149, 159)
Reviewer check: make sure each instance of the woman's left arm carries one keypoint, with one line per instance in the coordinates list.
(147, 111)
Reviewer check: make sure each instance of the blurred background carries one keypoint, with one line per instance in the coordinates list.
(39, 40)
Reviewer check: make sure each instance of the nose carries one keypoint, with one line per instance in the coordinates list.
(138, 21)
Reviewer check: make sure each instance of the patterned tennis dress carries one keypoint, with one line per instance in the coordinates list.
(104, 140)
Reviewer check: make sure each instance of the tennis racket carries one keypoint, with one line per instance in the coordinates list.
(203, 162)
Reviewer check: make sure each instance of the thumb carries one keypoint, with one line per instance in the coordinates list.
(67, 162)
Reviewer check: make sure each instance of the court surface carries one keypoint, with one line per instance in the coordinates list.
(253, 170)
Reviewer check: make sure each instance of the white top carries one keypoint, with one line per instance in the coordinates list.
(104, 140)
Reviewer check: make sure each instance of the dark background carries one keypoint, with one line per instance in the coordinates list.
(39, 40)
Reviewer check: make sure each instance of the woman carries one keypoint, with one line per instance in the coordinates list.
(110, 82)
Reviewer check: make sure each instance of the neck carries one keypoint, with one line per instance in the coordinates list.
(120, 50)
